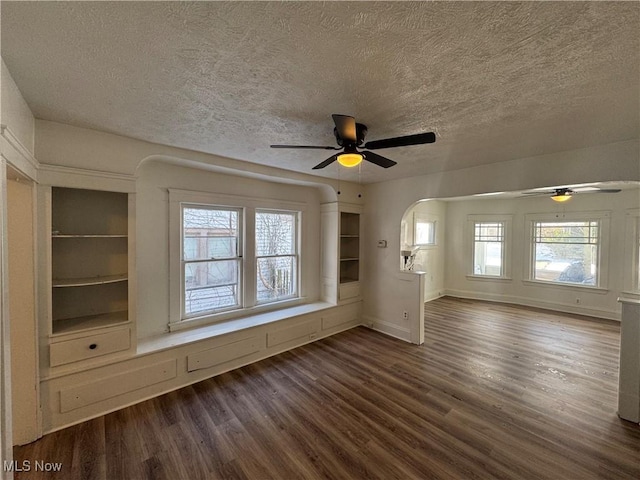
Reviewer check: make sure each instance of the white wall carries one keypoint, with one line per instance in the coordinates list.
(14, 111)
(16, 148)
(387, 202)
(429, 259)
(156, 168)
(152, 227)
(22, 313)
(57, 144)
(596, 303)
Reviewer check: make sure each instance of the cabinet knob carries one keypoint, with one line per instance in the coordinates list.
(93, 346)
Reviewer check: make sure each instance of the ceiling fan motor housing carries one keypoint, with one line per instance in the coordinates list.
(361, 133)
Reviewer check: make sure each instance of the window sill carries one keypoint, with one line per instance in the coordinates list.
(174, 339)
(573, 286)
(485, 278)
(234, 313)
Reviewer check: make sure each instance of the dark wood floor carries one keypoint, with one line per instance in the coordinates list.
(495, 392)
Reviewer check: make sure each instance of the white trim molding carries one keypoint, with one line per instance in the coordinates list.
(16, 154)
(531, 302)
(72, 177)
(6, 424)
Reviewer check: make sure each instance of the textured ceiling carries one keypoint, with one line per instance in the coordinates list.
(495, 81)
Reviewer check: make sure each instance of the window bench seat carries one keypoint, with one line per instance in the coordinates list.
(183, 337)
(169, 361)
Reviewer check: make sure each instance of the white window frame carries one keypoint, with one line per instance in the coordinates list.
(506, 221)
(248, 304)
(425, 218)
(238, 258)
(295, 255)
(603, 219)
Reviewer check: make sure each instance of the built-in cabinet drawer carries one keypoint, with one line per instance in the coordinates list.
(70, 351)
(349, 290)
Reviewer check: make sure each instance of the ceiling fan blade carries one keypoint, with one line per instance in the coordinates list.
(378, 159)
(316, 147)
(327, 162)
(608, 190)
(346, 127)
(417, 139)
(549, 192)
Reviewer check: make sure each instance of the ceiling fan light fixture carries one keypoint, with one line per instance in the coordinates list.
(561, 197)
(349, 159)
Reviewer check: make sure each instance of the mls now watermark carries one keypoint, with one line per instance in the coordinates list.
(28, 466)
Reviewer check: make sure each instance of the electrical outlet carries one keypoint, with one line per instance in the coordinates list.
(312, 336)
(578, 300)
(405, 314)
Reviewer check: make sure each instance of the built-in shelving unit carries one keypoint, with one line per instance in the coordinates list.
(341, 261)
(349, 247)
(89, 259)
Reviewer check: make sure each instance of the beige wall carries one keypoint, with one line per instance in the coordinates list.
(22, 315)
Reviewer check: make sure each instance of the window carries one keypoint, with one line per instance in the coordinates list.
(276, 255)
(566, 252)
(211, 259)
(488, 248)
(424, 231)
(232, 256)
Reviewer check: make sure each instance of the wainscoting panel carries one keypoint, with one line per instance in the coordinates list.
(216, 356)
(94, 392)
(306, 331)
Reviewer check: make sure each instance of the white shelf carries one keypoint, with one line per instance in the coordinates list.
(89, 322)
(83, 282)
(349, 236)
(349, 259)
(344, 280)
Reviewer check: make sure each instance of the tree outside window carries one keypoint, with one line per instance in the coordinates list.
(211, 259)
(276, 255)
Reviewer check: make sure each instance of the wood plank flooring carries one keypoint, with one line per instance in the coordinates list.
(496, 391)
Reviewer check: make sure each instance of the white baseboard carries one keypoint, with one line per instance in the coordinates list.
(387, 328)
(433, 294)
(530, 302)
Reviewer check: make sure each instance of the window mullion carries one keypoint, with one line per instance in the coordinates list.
(249, 261)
